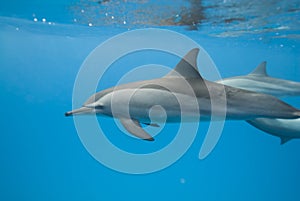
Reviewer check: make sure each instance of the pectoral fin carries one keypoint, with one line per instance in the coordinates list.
(134, 127)
(284, 140)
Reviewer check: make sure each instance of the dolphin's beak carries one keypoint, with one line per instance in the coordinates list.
(82, 110)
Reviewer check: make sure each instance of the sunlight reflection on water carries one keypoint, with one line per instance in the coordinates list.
(225, 18)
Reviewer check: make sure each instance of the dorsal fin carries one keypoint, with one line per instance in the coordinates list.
(260, 70)
(187, 67)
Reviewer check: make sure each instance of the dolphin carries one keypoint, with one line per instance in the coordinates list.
(184, 95)
(259, 81)
(285, 129)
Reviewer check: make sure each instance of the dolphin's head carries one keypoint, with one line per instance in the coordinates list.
(95, 104)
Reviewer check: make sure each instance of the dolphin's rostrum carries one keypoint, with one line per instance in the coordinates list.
(185, 96)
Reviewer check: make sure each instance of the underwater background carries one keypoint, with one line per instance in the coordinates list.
(44, 43)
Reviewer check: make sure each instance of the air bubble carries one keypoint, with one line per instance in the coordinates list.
(182, 180)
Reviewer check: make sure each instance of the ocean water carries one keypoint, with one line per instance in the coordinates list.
(44, 158)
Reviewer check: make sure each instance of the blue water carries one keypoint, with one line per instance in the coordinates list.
(42, 157)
